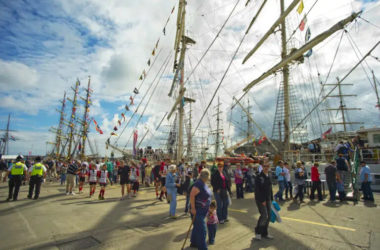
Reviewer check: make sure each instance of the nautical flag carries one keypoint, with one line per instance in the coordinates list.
(131, 98)
(309, 53)
(113, 133)
(136, 91)
(80, 146)
(302, 23)
(307, 35)
(126, 107)
(97, 128)
(141, 77)
(148, 62)
(135, 136)
(154, 52)
(119, 122)
(144, 73)
(74, 109)
(164, 31)
(115, 128)
(122, 114)
(173, 9)
(108, 141)
(326, 133)
(12, 138)
(300, 7)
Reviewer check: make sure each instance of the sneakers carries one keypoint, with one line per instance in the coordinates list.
(226, 220)
(29, 197)
(221, 222)
(72, 193)
(268, 236)
(67, 193)
(258, 237)
(173, 217)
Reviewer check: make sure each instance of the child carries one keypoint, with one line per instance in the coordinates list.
(82, 177)
(148, 172)
(212, 221)
(134, 177)
(103, 180)
(340, 187)
(92, 178)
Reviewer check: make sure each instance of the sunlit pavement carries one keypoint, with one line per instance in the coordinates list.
(79, 222)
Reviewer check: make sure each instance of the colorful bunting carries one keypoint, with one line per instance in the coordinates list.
(136, 91)
(135, 136)
(115, 128)
(154, 52)
(164, 31)
(307, 35)
(131, 98)
(300, 7)
(148, 62)
(144, 73)
(97, 128)
(141, 77)
(119, 122)
(122, 114)
(173, 9)
(157, 43)
(113, 133)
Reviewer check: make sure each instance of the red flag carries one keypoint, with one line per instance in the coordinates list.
(302, 23)
(135, 136)
(131, 98)
(115, 128)
(122, 114)
(97, 128)
(119, 122)
(326, 133)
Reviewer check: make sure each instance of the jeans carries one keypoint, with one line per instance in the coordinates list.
(63, 179)
(35, 181)
(263, 222)
(332, 191)
(249, 186)
(198, 235)
(187, 202)
(173, 201)
(211, 228)
(300, 192)
(316, 185)
(222, 206)
(111, 177)
(367, 191)
(289, 189)
(281, 185)
(239, 191)
(14, 183)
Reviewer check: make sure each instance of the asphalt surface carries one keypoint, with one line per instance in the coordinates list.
(57, 221)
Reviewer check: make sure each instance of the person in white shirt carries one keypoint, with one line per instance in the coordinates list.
(288, 182)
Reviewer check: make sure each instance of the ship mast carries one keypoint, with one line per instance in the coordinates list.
(377, 94)
(6, 137)
(58, 138)
(72, 119)
(85, 123)
(217, 132)
(285, 74)
(180, 45)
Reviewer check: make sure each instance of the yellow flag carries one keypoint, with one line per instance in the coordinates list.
(300, 7)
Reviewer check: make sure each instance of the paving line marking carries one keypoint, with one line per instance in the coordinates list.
(319, 224)
(302, 221)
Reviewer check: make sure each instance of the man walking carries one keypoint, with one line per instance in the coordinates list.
(330, 172)
(366, 179)
(263, 197)
(71, 175)
(17, 172)
(316, 182)
(37, 174)
(281, 180)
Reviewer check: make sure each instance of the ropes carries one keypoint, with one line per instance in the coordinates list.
(213, 41)
(166, 62)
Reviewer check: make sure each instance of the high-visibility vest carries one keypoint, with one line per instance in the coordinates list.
(18, 168)
(37, 169)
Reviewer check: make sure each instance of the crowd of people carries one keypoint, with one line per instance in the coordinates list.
(191, 180)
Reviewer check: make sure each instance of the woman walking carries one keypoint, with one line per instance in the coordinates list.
(221, 185)
(200, 199)
(171, 187)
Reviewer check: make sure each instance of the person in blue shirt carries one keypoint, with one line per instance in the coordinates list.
(281, 180)
(366, 179)
(171, 185)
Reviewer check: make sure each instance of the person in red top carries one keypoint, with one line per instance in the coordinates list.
(316, 182)
(202, 166)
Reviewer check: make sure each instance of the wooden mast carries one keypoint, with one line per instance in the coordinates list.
(72, 119)
(60, 126)
(85, 124)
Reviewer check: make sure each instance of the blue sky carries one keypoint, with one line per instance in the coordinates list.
(46, 45)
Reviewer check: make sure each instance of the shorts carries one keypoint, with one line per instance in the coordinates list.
(163, 181)
(103, 184)
(92, 182)
(135, 185)
(82, 179)
(70, 179)
(124, 181)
